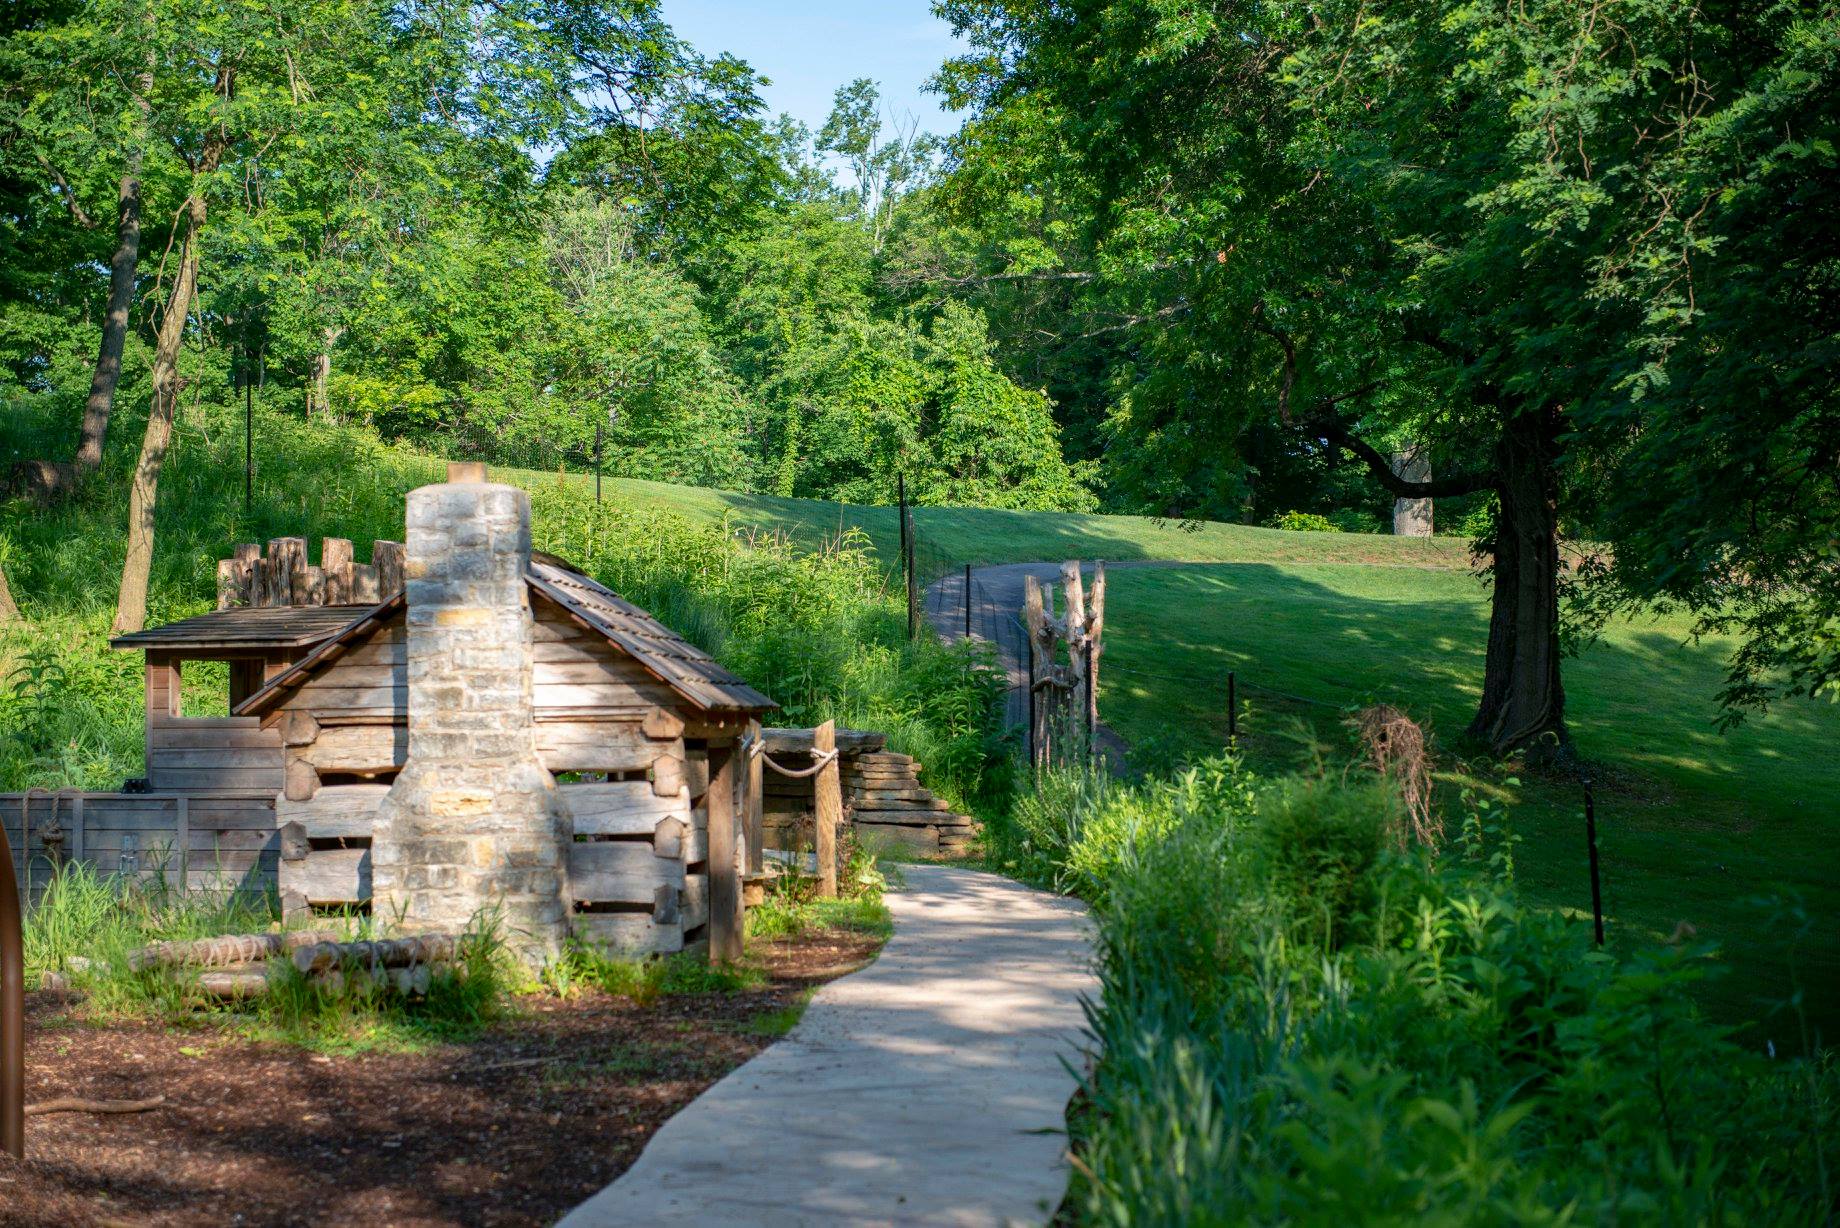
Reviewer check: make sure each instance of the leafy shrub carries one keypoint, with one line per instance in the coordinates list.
(1354, 520)
(1450, 1057)
(1321, 844)
(1303, 522)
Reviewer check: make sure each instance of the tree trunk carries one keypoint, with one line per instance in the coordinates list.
(1523, 701)
(122, 269)
(320, 399)
(8, 611)
(131, 607)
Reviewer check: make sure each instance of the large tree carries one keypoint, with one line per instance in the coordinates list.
(1374, 221)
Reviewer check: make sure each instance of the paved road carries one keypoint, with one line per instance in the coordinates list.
(928, 1089)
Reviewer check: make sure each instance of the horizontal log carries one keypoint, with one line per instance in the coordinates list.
(849, 741)
(223, 950)
(379, 953)
(329, 876)
(335, 812)
(233, 985)
(265, 758)
(627, 935)
(358, 749)
(595, 746)
(620, 808)
(910, 818)
(619, 872)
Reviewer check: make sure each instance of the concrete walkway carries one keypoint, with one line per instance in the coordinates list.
(929, 1088)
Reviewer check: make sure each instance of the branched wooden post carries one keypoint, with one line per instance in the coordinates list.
(753, 818)
(827, 797)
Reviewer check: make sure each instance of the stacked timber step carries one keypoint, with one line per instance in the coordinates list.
(883, 799)
(889, 806)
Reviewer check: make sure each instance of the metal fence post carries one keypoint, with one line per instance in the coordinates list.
(967, 601)
(1232, 708)
(599, 427)
(1590, 836)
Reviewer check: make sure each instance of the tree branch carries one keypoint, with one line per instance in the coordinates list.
(1382, 469)
(70, 197)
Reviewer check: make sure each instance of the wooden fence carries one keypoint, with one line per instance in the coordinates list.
(219, 841)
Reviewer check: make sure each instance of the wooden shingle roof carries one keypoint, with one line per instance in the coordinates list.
(247, 628)
(673, 660)
(689, 670)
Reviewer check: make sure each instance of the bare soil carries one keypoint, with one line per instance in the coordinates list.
(512, 1128)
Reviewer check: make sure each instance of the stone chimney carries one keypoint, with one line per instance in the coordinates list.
(472, 822)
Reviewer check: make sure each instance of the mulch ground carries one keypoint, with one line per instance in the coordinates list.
(513, 1128)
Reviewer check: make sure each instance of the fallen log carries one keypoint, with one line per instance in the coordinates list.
(409, 982)
(77, 1104)
(222, 951)
(381, 953)
(234, 985)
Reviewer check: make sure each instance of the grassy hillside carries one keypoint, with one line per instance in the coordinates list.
(1695, 825)
(951, 537)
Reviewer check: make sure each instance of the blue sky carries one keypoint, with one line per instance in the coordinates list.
(808, 48)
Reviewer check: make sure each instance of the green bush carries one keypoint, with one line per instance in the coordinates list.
(1438, 1055)
(1303, 522)
(1321, 845)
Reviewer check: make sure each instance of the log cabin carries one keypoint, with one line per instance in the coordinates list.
(341, 675)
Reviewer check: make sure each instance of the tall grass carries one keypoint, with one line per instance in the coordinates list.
(1301, 1025)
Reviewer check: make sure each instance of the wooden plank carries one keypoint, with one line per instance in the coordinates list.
(205, 780)
(388, 558)
(627, 935)
(610, 693)
(335, 562)
(348, 671)
(726, 918)
(619, 872)
(322, 698)
(904, 818)
(192, 758)
(360, 749)
(335, 812)
(182, 834)
(621, 808)
(753, 812)
(828, 793)
(329, 876)
(696, 772)
(181, 737)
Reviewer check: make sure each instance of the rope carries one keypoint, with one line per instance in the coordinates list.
(820, 760)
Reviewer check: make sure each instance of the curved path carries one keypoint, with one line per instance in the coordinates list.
(929, 1088)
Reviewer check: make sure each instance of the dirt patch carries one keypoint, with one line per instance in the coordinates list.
(513, 1128)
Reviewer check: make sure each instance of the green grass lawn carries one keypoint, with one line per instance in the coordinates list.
(1694, 823)
(949, 537)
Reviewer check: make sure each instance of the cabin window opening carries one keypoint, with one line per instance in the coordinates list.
(204, 689)
(591, 838)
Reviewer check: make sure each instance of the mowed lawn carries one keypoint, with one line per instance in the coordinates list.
(949, 537)
(1695, 825)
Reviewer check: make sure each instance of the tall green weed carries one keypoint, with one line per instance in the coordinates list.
(1300, 1025)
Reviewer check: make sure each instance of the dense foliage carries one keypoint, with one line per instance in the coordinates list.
(1301, 1025)
(496, 230)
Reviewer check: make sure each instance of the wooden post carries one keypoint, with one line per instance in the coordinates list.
(1095, 629)
(182, 833)
(753, 818)
(827, 799)
(599, 431)
(12, 1005)
(726, 915)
